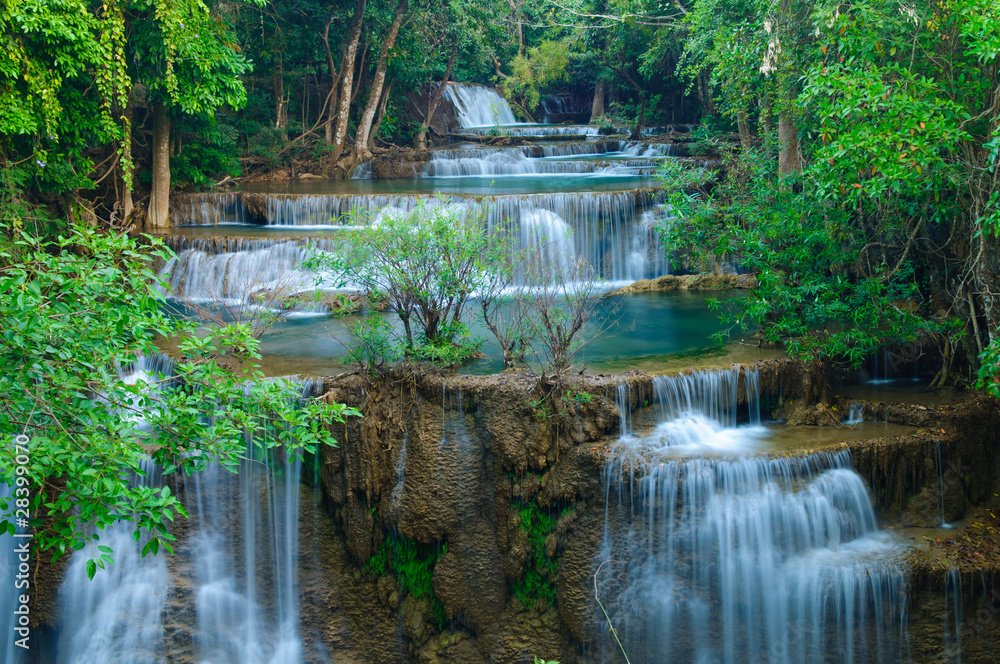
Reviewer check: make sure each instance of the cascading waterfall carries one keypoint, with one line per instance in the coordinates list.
(644, 259)
(855, 414)
(561, 105)
(252, 617)
(604, 230)
(514, 162)
(565, 131)
(478, 106)
(745, 559)
(247, 603)
(245, 569)
(116, 618)
(549, 237)
(198, 274)
(648, 150)
(952, 629)
(209, 209)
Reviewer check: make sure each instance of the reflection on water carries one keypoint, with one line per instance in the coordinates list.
(473, 185)
(653, 332)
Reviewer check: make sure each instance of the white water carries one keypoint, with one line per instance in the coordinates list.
(9, 595)
(243, 548)
(607, 230)
(246, 586)
(549, 237)
(116, 618)
(855, 414)
(199, 275)
(478, 106)
(745, 559)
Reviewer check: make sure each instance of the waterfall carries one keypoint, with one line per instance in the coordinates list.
(116, 618)
(952, 631)
(648, 150)
(478, 106)
(9, 563)
(548, 237)
(240, 557)
(645, 260)
(746, 559)
(247, 617)
(514, 162)
(199, 275)
(565, 131)
(209, 209)
(246, 581)
(855, 414)
(714, 394)
(561, 105)
(606, 228)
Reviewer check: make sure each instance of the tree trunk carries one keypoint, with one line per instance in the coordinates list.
(597, 108)
(280, 103)
(381, 111)
(335, 75)
(347, 65)
(520, 27)
(128, 168)
(159, 197)
(361, 148)
(788, 142)
(743, 123)
(421, 140)
(641, 120)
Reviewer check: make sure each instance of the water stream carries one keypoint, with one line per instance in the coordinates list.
(714, 554)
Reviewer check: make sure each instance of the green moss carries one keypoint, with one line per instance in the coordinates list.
(413, 566)
(538, 581)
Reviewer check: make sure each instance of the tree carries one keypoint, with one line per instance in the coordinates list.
(427, 265)
(186, 59)
(362, 150)
(74, 313)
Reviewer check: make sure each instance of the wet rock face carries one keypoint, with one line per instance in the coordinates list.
(448, 462)
(445, 118)
(950, 462)
(455, 465)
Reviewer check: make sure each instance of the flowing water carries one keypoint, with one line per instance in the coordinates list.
(714, 554)
(238, 562)
(12, 590)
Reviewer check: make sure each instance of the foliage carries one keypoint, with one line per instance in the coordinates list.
(989, 369)
(808, 297)
(564, 309)
(543, 65)
(374, 349)
(74, 313)
(427, 265)
(209, 149)
(539, 579)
